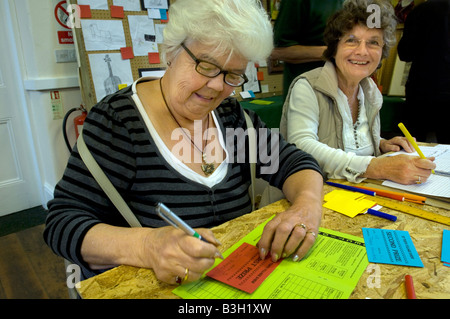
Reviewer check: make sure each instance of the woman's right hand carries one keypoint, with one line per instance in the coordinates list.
(169, 252)
(403, 169)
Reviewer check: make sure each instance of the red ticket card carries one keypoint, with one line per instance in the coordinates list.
(243, 269)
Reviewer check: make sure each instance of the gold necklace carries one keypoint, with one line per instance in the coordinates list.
(207, 168)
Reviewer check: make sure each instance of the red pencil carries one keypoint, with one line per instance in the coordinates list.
(410, 292)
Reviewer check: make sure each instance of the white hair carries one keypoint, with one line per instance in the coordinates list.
(231, 26)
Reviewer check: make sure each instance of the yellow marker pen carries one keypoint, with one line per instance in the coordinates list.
(412, 141)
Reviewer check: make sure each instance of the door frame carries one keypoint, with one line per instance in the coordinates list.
(31, 172)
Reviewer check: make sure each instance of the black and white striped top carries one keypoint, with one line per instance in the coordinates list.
(120, 142)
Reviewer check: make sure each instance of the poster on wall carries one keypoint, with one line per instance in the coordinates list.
(155, 4)
(102, 35)
(143, 35)
(128, 5)
(109, 71)
(95, 4)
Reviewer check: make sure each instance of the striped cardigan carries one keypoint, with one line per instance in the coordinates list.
(118, 139)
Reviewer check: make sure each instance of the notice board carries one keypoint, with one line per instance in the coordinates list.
(118, 41)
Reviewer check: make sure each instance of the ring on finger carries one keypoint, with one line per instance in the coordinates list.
(301, 225)
(186, 274)
(312, 233)
(180, 280)
(418, 181)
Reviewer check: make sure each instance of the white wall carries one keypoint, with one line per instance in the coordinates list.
(36, 37)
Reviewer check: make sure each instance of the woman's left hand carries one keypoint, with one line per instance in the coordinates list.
(294, 231)
(395, 144)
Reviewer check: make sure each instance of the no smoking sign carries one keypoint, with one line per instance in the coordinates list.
(63, 17)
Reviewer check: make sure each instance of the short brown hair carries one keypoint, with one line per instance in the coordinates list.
(353, 13)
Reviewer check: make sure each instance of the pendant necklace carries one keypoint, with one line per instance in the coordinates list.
(207, 168)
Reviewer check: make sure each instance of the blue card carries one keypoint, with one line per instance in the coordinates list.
(445, 255)
(387, 246)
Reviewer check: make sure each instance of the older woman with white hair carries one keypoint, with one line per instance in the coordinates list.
(177, 140)
(333, 112)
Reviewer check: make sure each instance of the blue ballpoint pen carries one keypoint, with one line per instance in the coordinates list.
(350, 188)
(381, 214)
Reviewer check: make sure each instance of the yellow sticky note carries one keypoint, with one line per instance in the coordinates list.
(347, 203)
(342, 194)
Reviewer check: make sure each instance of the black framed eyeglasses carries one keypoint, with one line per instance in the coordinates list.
(211, 70)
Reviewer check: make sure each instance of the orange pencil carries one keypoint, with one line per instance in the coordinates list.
(380, 192)
(396, 195)
(415, 198)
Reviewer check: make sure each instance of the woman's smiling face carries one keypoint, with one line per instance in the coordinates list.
(193, 95)
(359, 53)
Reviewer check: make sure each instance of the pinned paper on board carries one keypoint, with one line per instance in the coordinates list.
(95, 4)
(156, 4)
(103, 35)
(159, 28)
(128, 5)
(108, 72)
(347, 203)
(154, 14)
(143, 35)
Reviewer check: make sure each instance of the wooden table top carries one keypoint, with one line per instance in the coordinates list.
(431, 282)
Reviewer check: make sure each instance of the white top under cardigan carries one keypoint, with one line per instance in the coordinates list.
(302, 127)
(219, 173)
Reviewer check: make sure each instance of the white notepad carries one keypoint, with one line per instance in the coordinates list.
(437, 184)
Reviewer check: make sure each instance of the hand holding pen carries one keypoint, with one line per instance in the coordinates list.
(195, 271)
(165, 213)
